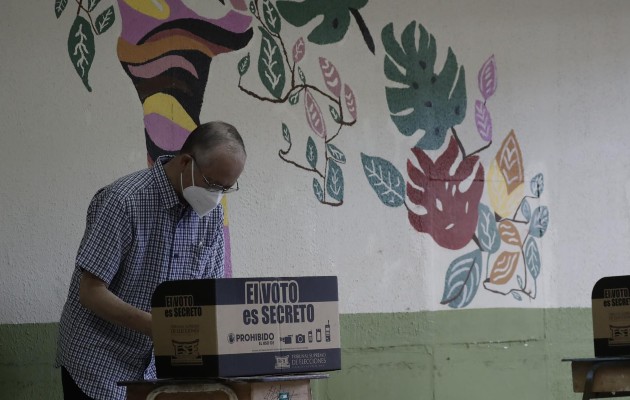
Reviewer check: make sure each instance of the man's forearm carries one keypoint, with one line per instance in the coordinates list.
(96, 297)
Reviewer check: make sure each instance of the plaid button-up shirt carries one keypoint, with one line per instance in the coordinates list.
(137, 235)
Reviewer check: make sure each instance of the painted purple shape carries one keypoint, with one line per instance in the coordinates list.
(158, 66)
(135, 25)
(228, 253)
(164, 132)
(483, 121)
(299, 48)
(487, 78)
(351, 102)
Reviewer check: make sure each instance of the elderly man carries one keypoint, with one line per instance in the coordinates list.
(158, 224)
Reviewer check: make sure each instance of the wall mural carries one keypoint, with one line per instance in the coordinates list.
(277, 73)
(166, 49)
(443, 192)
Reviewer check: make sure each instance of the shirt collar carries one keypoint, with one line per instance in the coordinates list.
(167, 192)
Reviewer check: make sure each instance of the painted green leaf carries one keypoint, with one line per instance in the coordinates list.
(92, 4)
(462, 280)
(294, 98)
(526, 210)
(81, 48)
(334, 181)
(487, 232)
(271, 16)
(105, 20)
(60, 5)
(285, 133)
(385, 179)
(252, 7)
(540, 221)
(335, 114)
(517, 296)
(532, 257)
(421, 98)
(336, 154)
(317, 189)
(301, 75)
(271, 65)
(243, 65)
(311, 152)
(336, 18)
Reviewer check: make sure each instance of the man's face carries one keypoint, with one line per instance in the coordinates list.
(219, 169)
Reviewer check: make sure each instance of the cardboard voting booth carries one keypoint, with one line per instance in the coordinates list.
(611, 316)
(246, 326)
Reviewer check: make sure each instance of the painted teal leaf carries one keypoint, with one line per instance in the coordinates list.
(271, 65)
(385, 179)
(521, 284)
(252, 7)
(517, 296)
(92, 4)
(540, 221)
(462, 280)
(334, 114)
(526, 210)
(301, 75)
(334, 181)
(294, 98)
(335, 22)
(286, 134)
(532, 257)
(81, 48)
(243, 65)
(537, 185)
(60, 5)
(271, 16)
(317, 189)
(311, 152)
(336, 154)
(487, 232)
(105, 20)
(422, 99)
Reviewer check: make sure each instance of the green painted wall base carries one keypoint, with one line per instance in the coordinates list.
(469, 354)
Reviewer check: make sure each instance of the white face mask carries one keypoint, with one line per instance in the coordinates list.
(201, 200)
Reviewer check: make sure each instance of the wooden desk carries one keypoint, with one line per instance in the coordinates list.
(281, 387)
(601, 377)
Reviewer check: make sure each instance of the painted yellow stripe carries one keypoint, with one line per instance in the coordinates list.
(225, 211)
(157, 9)
(168, 106)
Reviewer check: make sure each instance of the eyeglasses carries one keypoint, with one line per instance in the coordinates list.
(213, 187)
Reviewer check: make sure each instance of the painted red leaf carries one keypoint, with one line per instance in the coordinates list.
(451, 199)
(331, 76)
(487, 78)
(314, 115)
(350, 101)
(483, 121)
(510, 161)
(504, 267)
(299, 49)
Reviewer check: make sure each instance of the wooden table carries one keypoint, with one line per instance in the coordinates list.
(272, 387)
(601, 376)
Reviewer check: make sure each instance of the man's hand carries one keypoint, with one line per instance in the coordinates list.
(96, 297)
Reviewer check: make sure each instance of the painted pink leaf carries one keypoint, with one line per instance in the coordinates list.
(314, 115)
(487, 78)
(351, 102)
(483, 121)
(331, 76)
(449, 190)
(298, 50)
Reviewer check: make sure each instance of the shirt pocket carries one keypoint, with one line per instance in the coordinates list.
(190, 261)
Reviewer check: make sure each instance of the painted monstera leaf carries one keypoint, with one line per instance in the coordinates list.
(447, 202)
(421, 98)
(336, 19)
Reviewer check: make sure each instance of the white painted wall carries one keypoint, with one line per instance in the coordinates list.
(564, 80)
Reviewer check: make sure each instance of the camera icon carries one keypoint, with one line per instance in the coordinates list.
(300, 338)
